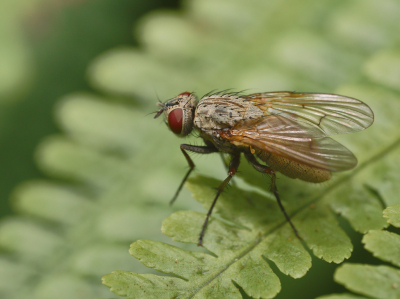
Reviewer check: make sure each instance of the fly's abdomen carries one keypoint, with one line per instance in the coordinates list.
(294, 169)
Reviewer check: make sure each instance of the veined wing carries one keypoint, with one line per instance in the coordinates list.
(333, 114)
(300, 142)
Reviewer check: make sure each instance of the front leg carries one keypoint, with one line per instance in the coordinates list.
(196, 149)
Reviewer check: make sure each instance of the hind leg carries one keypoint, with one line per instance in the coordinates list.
(265, 169)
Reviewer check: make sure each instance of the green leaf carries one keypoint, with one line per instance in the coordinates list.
(342, 296)
(384, 245)
(392, 213)
(134, 285)
(374, 281)
(242, 247)
(262, 216)
(196, 269)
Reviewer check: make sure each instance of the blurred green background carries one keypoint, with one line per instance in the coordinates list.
(79, 78)
(45, 48)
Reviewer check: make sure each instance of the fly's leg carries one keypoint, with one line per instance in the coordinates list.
(265, 169)
(233, 166)
(223, 161)
(195, 149)
(226, 166)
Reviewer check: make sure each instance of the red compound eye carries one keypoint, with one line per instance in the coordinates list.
(175, 120)
(185, 94)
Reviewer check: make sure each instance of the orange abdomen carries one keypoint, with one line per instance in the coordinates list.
(294, 169)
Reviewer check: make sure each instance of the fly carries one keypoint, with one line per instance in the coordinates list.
(285, 130)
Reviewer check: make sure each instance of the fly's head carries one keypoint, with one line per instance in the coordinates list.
(179, 113)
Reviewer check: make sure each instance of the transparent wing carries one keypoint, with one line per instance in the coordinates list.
(301, 143)
(333, 114)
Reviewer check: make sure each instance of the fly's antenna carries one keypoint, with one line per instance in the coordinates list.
(159, 104)
(151, 113)
(159, 112)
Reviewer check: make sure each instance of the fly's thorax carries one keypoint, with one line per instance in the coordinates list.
(218, 112)
(179, 113)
